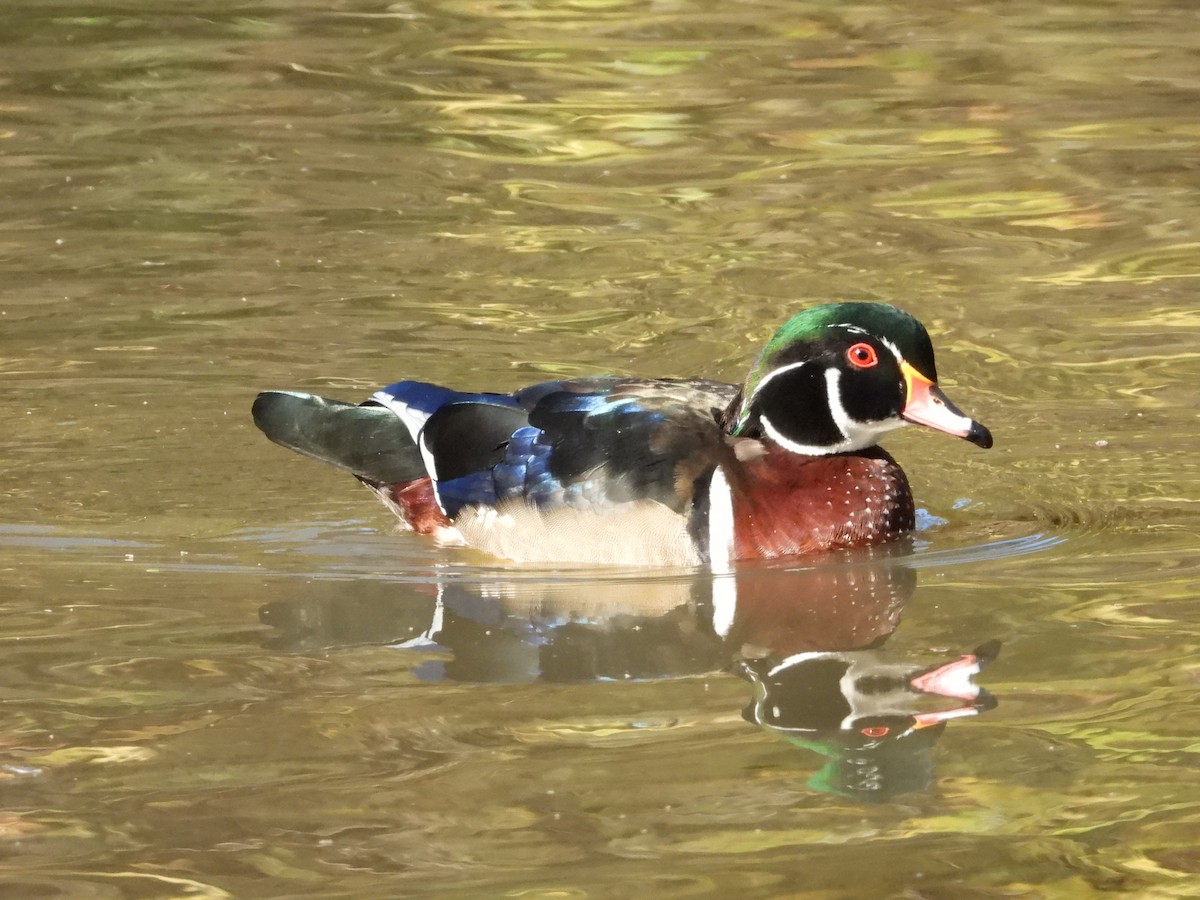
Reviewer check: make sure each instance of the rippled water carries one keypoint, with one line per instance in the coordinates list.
(225, 674)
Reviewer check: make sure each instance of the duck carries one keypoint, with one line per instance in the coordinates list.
(662, 472)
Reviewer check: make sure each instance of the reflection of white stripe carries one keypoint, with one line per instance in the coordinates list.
(799, 658)
(721, 552)
(846, 686)
(439, 614)
(428, 637)
(724, 603)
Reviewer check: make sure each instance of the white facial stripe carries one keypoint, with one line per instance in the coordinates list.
(795, 447)
(748, 402)
(833, 391)
(895, 350)
(773, 374)
(856, 435)
(859, 435)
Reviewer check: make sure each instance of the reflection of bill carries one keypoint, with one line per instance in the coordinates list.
(806, 638)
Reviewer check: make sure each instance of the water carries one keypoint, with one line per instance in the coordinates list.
(226, 675)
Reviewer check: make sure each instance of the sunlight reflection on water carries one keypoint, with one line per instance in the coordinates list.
(225, 675)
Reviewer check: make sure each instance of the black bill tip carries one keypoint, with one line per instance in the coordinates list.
(979, 436)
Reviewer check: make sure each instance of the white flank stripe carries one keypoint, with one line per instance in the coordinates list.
(431, 468)
(414, 421)
(720, 523)
(720, 552)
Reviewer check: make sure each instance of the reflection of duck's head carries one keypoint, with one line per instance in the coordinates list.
(867, 714)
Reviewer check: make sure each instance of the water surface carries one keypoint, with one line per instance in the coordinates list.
(225, 674)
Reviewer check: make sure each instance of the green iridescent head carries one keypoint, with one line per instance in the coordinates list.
(835, 378)
(811, 328)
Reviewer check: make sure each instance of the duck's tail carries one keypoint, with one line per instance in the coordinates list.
(369, 441)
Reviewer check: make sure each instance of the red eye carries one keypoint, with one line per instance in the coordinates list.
(862, 356)
(879, 730)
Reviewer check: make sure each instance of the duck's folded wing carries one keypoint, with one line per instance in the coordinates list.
(609, 441)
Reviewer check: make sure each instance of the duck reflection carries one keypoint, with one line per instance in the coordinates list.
(864, 713)
(807, 640)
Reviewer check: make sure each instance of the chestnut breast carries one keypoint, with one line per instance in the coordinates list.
(786, 504)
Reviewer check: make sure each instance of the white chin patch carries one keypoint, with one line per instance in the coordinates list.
(859, 435)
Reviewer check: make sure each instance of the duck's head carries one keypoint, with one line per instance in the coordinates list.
(836, 378)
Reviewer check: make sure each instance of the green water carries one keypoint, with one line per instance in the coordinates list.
(226, 675)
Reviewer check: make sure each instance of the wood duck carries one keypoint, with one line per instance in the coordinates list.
(653, 472)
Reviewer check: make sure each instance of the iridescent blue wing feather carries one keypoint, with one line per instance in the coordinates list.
(586, 443)
(597, 442)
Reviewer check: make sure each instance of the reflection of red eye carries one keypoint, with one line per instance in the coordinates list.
(877, 731)
(862, 356)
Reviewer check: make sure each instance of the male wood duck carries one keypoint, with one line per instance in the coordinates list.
(654, 472)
